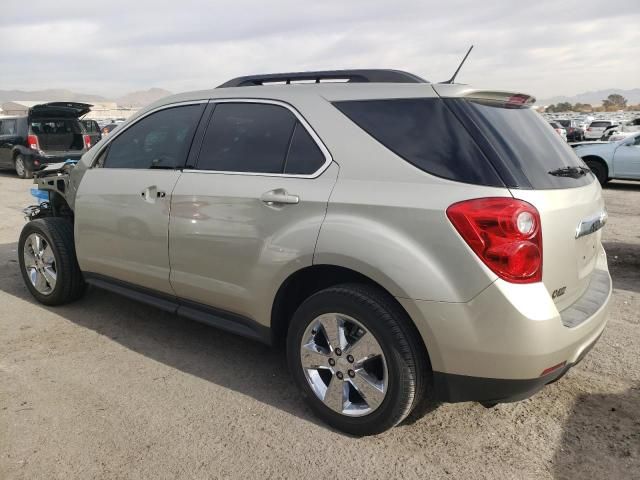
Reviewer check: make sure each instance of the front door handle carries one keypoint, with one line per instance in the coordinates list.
(150, 194)
(279, 196)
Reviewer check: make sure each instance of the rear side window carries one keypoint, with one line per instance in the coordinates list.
(600, 124)
(258, 138)
(160, 140)
(426, 134)
(8, 127)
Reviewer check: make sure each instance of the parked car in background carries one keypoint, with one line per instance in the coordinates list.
(609, 132)
(47, 133)
(596, 129)
(574, 132)
(559, 129)
(92, 129)
(332, 220)
(108, 128)
(619, 159)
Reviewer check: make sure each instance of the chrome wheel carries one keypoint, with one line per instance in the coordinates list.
(20, 168)
(344, 364)
(40, 263)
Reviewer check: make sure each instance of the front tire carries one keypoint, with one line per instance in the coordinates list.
(599, 170)
(47, 258)
(22, 170)
(357, 359)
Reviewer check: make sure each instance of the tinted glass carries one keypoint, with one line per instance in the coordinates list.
(426, 134)
(600, 124)
(520, 144)
(90, 126)
(565, 123)
(304, 157)
(8, 127)
(247, 137)
(55, 126)
(161, 140)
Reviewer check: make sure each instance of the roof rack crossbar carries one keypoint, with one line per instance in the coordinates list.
(350, 76)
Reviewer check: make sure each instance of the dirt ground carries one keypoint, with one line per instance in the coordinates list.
(107, 388)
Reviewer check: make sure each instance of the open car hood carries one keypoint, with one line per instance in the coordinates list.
(60, 109)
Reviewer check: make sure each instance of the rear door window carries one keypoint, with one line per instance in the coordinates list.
(160, 140)
(600, 124)
(247, 137)
(425, 133)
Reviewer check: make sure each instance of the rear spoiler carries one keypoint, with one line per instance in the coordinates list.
(509, 99)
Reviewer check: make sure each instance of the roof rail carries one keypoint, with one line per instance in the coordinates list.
(350, 76)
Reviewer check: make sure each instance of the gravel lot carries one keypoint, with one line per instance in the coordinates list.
(107, 388)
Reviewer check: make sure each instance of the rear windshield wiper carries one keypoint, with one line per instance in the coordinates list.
(573, 172)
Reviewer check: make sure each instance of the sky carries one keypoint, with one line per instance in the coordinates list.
(540, 47)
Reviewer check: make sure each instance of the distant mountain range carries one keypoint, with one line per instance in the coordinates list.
(594, 98)
(134, 99)
(144, 97)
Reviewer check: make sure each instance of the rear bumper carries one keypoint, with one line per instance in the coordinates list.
(35, 161)
(461, 388)
(497, 346)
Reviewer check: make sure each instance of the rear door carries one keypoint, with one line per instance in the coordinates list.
(250, 211)
(8, 139)
(626, 159)
(123, 202)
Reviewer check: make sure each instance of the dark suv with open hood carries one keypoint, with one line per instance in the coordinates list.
(48, 133)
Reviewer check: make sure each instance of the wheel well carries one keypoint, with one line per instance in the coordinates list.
(593, 158)
(304, 283)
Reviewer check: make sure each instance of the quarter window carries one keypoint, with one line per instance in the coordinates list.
(160, 140)
(8, 127)
(304, 156)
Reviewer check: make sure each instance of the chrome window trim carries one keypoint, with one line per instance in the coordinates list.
(299, 117)
(115, 135)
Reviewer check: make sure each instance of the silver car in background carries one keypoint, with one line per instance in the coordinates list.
(399, 239)
(615, 159)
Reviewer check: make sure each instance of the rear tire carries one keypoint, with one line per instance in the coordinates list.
(47, 258)
(21, 167)
(599, 170)
(403, 360)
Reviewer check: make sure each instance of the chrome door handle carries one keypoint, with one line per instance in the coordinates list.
(279, 196)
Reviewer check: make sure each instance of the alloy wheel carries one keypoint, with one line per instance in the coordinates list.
(40, 263)
(344, 364)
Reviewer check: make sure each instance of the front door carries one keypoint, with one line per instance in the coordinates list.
(249, 214)
(123, 202)
(626, 160)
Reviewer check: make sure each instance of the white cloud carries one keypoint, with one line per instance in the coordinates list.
(544, 48)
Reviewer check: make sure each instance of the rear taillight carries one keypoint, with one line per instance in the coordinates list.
(558, 131)
(32, 142)
(589, 129)
(505, 233)
(87, 141)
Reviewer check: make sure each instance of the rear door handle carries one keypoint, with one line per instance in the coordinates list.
(279, 196)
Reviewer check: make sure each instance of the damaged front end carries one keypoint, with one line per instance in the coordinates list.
(52, 188)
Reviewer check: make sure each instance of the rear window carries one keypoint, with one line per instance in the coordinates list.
(55, 127)
(425, 133)
(520, 144)
(600, 124)
(565, 123)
